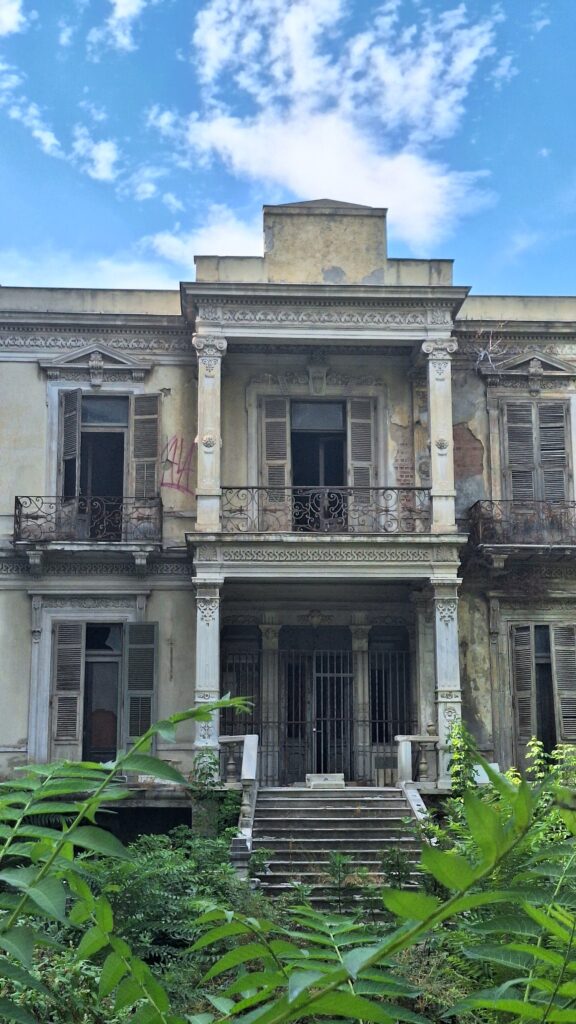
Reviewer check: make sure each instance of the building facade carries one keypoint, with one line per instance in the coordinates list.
(322, 478)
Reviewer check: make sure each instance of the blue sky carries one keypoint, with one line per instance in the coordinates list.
(135, 133)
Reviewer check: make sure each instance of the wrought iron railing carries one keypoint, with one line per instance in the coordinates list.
(131, 520)
(523, 522)
(326, 509)
(334, 711)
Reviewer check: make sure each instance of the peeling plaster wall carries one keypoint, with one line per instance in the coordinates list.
(473, 623)
(471, 448)
(16, 645)
(175, 612)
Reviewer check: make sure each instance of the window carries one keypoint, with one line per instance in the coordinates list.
(308, 445)
(544, 671)
(108, 453)
(536, 460)
(102, 687)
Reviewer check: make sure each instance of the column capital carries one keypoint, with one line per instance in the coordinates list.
(360, 637)
(209, 346)
(270, 635)
(440, 348)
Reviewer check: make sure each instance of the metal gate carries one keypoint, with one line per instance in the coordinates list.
(321, 711)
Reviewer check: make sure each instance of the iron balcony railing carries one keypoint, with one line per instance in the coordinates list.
(523, 522)
(129, 520)
(326, 509)
(333, 711)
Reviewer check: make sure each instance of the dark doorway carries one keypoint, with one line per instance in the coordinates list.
(545, 712)
(102, 483)
(319, 465)
(101, 691)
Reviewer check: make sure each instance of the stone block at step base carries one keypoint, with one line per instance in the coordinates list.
(325, 781)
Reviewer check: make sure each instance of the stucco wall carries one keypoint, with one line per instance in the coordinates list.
(15, 644)
(474, 639)
(23, 417)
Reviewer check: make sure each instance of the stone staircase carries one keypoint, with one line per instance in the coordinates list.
(301, 827)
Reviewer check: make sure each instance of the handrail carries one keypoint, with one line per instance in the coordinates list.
(427, 773)
(241, 846)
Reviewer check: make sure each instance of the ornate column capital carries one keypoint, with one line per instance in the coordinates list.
(440, 348)
(209, 346)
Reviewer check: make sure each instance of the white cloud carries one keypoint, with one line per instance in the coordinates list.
(117, 31)
(172, 202)
(96, 113)
(540, 18)
(56, 269)
(97, 159)
(30, 116)
(223, 234)
(142, 184)
(544, 152)
(65, 33)
(12, 17)
(522, 241)
(504, 71)
(352, 117)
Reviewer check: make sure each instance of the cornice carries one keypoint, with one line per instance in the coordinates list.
(44, 337)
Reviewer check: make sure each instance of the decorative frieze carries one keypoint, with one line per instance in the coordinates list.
(135, 340)
(317, 314)
(325, 554)
(20, 567)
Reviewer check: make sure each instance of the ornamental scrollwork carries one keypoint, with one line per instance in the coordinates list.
(446, 609)
(325, 554)
(312, 315)
(207, 609)
(209, 346)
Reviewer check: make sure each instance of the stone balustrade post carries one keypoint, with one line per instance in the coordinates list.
(210, 349)
(207, 687)
(447, 668)
(439, 354)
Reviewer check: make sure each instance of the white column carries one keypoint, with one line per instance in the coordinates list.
(439, 355)
(207, 687)
(365, 771)
(446, 666)
(270, 705)
(210, 349)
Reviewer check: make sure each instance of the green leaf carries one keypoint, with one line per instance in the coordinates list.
(91, 838)
(344, 1004)
(448, 868)
(220, 1003)
(499, 955)
(103, 914)
(19, 942)
(238, 955)
(49, 894)
(356, 959)
(147, 765)
(92, 942)
(413, 905)
(10, 970)
(166, 729)
(300, 981)
(12, 1011)
(129, 992)
(548, 923)
(155, 991)
(485, 825)
(253, 980)
(225, 931)
(113, 970)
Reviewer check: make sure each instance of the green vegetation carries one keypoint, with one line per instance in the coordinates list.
(162, 932)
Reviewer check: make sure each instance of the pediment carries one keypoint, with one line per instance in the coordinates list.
(95, 364)
(533, 363)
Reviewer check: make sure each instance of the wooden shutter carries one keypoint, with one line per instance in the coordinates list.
(140, 653)
(276, 468)
(552, 450)
(563, 646)
(523, 668)
(361, 443)
(70, 427)
(67, 687)
(521, 456)
(145, 441)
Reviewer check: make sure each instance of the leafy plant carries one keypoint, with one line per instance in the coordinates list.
(43, 876)
(463, 759)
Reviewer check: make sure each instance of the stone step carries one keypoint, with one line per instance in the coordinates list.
(295, 834)
(332, 821)
(318, 847)
(348, 809)
(320, 795)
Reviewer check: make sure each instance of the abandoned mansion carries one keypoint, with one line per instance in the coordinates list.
(324, 478)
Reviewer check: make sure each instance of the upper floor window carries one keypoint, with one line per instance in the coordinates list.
(544, 672)
(108, 453)
(536, 463)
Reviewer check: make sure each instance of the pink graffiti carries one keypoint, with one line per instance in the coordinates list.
(177, 464)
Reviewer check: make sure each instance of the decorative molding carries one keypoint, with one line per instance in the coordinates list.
(209, 346)
(440, 348)
(95, 366)
(318, 314)
(14, 567)
(72, 601)
(324, 553)
(442, 445)
(280, 348)
(209, 441)
(446, 609)
(449, 695)
(241, 620)
(314, 618)
(296, 378)
(19, 567)
(134, 340)
(207, 609)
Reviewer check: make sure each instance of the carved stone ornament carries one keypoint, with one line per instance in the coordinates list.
(323, 553)
(70, 601)
(20, 567)
(446, 609)
(205, 696)
(209, 441)
(209, 346)
(449, 695)
(207, 609)
(315, 618)
(441, 348)
(136, 339)
(442, 444)
(95, 366)
(313, 312)
(450, 714)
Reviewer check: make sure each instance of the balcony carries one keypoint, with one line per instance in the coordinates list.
(523, 523)
(111, 520)
(339, 510)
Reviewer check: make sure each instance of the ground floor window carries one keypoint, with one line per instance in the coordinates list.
(544, 672)
(103, 686)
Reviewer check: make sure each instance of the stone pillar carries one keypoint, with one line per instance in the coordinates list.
(365, 770)
(447, 667)
(439, 355)
(207, 687)
(269, 710)
(210, 349)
